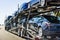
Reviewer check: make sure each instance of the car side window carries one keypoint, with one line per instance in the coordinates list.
(40, 20)
(36, 19)
(44, 19)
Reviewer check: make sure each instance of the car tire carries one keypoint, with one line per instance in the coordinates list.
(40, 32)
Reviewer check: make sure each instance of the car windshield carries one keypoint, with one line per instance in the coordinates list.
(52, 19)
(36, 19)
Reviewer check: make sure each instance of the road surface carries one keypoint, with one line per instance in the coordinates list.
(4, 35)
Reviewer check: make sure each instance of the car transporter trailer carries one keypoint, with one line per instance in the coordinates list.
(25, 29)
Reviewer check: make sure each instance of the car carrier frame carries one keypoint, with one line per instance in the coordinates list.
(32, 11)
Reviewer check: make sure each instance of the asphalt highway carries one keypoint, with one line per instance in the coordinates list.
(4, 35)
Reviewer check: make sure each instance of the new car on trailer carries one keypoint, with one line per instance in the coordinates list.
(24, 6)
(7, 23)
(48, 25)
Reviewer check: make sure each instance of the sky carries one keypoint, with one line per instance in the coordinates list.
(8, 7)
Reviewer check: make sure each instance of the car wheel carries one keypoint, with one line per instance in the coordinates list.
(40, 32)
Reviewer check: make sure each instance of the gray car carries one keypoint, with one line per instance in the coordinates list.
(47, 24)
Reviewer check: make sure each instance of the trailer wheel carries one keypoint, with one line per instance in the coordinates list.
(6, 28)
